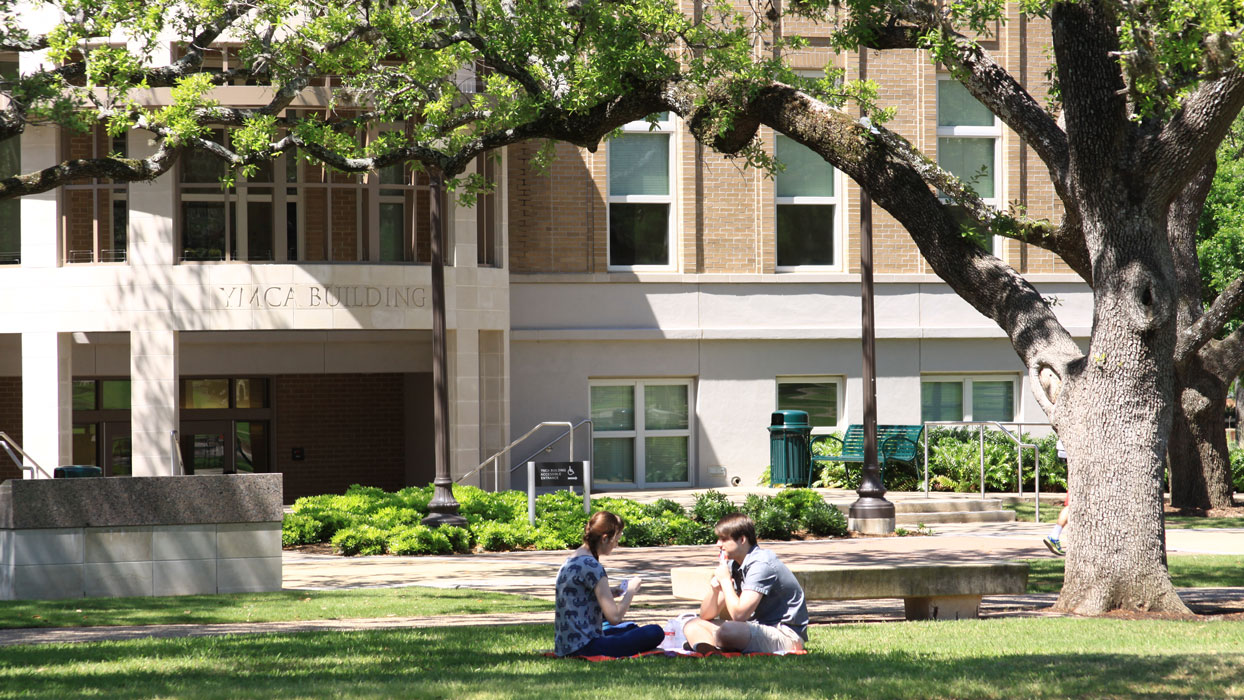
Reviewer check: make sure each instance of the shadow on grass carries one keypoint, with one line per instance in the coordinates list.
(504, 662)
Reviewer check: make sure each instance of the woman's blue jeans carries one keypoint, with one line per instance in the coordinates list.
(626, 640)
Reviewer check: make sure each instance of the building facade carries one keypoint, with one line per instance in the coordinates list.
(661, 290)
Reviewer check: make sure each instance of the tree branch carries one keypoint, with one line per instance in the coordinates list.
(1190, 138)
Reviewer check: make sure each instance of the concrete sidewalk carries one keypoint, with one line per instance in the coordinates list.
(534, 573)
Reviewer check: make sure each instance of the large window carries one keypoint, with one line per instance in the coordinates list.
(101, 424)
(820, 397)
(641, 197)
(807, 208)
(225, 425)
(968, 398)
(641, 432)
(95, 220)
(969, 140)
(225, 224)
(10, 164)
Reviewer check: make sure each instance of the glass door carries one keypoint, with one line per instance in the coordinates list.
(207, 447)
(118, 449)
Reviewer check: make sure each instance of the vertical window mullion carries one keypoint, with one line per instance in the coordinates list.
(641, 474)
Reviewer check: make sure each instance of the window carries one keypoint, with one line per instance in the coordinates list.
(10, 164)
(488, 214)
(819, 396)
(640, 197)
(641, 447)
(807, 208)
(96, 211)
(101, 424)
(225, 224)
(975, 398)
(968, 141)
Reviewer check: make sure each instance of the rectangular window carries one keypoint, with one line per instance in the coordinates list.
(641, 432)
(10, 209)
(488, 215)
(969, 139)
(640, 197)
(807, 208)
(94, 223)
(218, 223)
(970, 398)
(818, 396)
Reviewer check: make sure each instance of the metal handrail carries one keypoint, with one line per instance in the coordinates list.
(1019, 457)
(570, 429)
(10, 444)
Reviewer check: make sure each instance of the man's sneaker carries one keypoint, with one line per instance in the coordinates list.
(1054, 546)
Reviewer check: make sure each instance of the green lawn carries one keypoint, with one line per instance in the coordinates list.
(262, 607)
(1049, 513)
(1187, 571)
(1005, 658)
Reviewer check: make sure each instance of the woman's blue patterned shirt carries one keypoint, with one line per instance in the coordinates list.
(578, 619)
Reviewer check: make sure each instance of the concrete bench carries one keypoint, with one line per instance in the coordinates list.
(929, 591)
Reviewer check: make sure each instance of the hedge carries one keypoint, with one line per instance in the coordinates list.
(366, 520)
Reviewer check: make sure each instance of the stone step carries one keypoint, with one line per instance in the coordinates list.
(977, 516)
(937, 505)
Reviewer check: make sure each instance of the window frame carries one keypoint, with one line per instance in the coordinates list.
(668, 127)
(836, 201)
(994, 132)
(638, 432)
(966, 380)
(839, 402)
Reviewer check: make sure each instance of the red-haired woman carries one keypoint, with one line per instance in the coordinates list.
(584, 598)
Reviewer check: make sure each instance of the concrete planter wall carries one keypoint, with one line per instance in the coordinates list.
(176, 535)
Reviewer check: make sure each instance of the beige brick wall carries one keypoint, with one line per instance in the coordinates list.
(559, 219)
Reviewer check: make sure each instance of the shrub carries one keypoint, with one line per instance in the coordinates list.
(300, 528)
(360, 539)
(646, 532)
(624, 508)
(825, 521)
(773, 522)
(478, 505)
(711, 506)
(500, 537)
(560, 516)
(662, 507)
(1236, 457)
(684, 530)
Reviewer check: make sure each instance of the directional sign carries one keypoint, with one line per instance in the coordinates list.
(559, 473)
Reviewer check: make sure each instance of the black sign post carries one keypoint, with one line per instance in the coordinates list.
(546, 474)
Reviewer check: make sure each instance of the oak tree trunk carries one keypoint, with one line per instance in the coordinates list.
(1114, 416)
(1199, 467)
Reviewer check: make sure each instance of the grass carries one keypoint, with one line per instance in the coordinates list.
(1049, 513)
(1003, 658)
(1187, 571)
(262, 607)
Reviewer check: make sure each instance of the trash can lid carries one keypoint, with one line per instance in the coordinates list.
(789, 418)
(72, 470)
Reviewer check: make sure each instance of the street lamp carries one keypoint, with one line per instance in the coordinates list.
(443, 509)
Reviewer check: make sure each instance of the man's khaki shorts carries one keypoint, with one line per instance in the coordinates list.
(771, 639)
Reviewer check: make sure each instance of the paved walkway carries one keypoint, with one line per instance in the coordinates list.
(533, 573)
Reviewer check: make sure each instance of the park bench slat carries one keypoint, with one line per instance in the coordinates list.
(895, 443)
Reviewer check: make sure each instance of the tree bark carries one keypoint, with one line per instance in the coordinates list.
(1200, 471)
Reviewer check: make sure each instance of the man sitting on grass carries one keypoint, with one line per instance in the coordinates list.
(760, 602)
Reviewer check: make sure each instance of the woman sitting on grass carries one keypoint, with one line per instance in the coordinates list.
(584, 598)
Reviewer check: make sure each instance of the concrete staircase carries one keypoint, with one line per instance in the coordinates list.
(937, 511)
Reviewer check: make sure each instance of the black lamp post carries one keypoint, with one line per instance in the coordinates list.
(871, 513)
(443, 508)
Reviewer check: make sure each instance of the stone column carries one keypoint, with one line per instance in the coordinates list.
(464, 399)
(154, 409)
(47, 399)
(152, 237)
(494, 402)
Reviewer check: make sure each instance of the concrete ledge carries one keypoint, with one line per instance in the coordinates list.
(931, 591)
(27, 504)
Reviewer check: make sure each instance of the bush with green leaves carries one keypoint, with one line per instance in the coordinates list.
(560, 518)
(300, 528)
(663, 507)
(503, 537)
(360, 539)
(1236, 457)
(711, 506)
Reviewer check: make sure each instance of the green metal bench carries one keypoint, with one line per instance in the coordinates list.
(895, 443)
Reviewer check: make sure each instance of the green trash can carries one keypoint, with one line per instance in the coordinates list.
(790, 459)
(70, 471)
